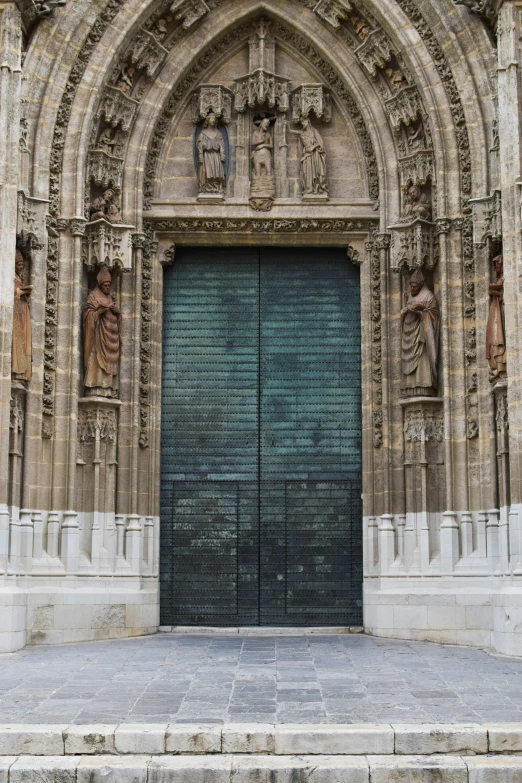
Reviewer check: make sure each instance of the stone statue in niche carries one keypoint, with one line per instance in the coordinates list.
(415, 137)
(107, 141)
(416, 204)
(212, 158)
(496, 329)
(21, 347)
(420, 322)
(312, 164)
(105, 207)
(101, 339)
(262, 186)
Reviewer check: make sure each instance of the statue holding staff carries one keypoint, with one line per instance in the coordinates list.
(102, 339)
(420, 322)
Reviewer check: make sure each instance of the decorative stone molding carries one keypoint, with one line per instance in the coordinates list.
(309, 98)
(118, 109)
(414, 245)
(96, 424)
(374, 246)
(189, 11)
(263, 225)
(107, 244)
(213, 98)
(404, 108)
(146, 53)
(333, 11)
(502, 411)
(375, 52)
(104, 170)
(150, 249)
(417, 168)
(472, 429)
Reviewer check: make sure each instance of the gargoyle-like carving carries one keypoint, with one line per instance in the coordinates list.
(308, 98)
(403, 108)
(333, 11)
(189, 11)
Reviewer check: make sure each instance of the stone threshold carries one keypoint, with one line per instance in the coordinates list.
(261, 769)
(365, 739)
(260, 630)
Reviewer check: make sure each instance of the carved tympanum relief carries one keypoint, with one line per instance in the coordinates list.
(102, 339)
(21, 346)
(496, 330)
(420, 322)
(312, 163)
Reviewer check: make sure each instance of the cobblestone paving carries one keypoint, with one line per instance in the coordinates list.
(297, 679)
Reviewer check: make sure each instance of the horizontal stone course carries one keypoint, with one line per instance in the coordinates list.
(363, 739)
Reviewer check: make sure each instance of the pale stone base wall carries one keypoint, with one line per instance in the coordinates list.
(480, 612)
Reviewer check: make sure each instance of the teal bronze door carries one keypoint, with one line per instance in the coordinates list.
(261, 512)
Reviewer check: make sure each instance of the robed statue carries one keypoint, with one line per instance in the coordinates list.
(496, 328)
(420, 325)
(101, 339)
(262, 146)
(312, 163)
(212, 157)
(21, 346)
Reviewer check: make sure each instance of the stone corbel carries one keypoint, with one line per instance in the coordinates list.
(107, 244)
(118, 108)
(146, 53)
(414, 245)
(403, 108)
(212, 98)
(417, 168)
(104, 170)
(333, 11)
(309, 98)
(189, 11)
(375, 52)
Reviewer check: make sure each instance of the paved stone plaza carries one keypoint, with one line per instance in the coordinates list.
(285, 679)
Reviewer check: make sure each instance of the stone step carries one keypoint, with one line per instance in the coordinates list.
(363, 739)
(227, 768)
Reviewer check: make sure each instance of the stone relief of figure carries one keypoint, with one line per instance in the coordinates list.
(101, 339)
(262, 146)
(125, 82)
(212, 157)
(161, 28)
(107, 141)
(362, 29)
(416, 204)
(21, 347)
(105, 207)
(415, 138)
(397, 79)
(496, 329)
(312, 163)
(420, 322)
(262, 185)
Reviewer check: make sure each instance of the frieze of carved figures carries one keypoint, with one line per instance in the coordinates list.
(420, 326)
(262, 184)
(21, 366)
(212, 159)
(496, 328)
(101, 339)
(312, 163)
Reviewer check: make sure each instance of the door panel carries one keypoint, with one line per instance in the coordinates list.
(310, 466)
(261, 513)
(210, 439)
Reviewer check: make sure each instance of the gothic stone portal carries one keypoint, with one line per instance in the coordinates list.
(261, 513)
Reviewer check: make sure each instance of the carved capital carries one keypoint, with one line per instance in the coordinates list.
(443, 226)
(138, 241)
(77, 226)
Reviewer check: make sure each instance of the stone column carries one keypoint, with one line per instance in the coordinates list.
(10, 103)
(510, 135)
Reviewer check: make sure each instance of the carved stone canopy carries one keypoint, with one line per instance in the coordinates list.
(105, 170)
(414, 245)
(417, 168)
(333, 11)
(118, 109)
(375, 52)
(309, 98)
(107, 244)
(403, 108)
(259, 88)
(189, 11)
(213, 98)
(147, 53)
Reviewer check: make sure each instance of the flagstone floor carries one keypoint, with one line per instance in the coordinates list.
(275, 679)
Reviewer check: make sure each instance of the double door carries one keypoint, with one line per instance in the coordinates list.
(261, 514)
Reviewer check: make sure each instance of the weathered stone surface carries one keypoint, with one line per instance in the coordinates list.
(246, 738)
(452, 738)
(186, 738)
(338, 739)
(494, 769)
(32, 740)
(505, 737)
(140, 738)
(40, 769)
(435, 769)
(185, 769)
(113, 769)
(89, 739)
(308, 769)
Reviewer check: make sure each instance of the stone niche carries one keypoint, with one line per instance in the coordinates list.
(345, 159)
